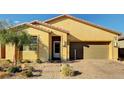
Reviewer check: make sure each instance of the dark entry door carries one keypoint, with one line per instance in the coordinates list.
(3, 51)
(76, 51)
(56, 49)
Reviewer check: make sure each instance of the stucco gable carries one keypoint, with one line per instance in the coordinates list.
(49, 26)
(41, 26)
(62, 17)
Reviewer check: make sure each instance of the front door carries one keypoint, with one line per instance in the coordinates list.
(56, 49)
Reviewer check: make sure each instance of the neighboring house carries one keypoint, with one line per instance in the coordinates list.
(66, 38)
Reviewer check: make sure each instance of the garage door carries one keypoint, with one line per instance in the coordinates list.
(96, 51)
(89, 50)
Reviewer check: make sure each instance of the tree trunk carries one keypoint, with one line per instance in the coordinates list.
(15, 56)
(18, 54)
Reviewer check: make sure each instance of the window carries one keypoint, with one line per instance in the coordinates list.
(34, 40)
(33, 46)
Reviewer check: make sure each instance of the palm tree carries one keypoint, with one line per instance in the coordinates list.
(16, 38)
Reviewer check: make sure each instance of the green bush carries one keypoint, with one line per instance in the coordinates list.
(14, 69)
(39, 61)
(66, 70)
(30, 68)
(29, 74)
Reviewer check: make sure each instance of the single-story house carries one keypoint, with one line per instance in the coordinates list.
(66, 38)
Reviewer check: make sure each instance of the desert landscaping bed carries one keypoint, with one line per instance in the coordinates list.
(88, 69)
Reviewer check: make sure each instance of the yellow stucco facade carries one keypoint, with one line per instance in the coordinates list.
(78, 32)
(81, 32)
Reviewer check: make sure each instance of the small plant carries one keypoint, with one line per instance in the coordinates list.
(39, 61)
(66, 70)
(8, 60)
(27, 73)
(26, 61)
(14, 69)
(30, 68)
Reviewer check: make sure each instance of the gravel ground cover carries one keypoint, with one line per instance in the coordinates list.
(89, 69)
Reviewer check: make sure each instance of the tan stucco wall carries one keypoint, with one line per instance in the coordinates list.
(10, 51)
(63, 35)
(80, 32)
(43, 45)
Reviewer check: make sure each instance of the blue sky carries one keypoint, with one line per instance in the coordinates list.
(111, 21)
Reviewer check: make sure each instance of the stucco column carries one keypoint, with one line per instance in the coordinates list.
(113, 47)
(64, 48)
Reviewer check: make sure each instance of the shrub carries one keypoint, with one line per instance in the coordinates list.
(14, 69)
(30, 68)
(26, 61)
(4, 75)
(27, 73)
(8, 60)
(66, 70)
(39, 61)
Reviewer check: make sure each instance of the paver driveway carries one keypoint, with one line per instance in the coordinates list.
(90, 69)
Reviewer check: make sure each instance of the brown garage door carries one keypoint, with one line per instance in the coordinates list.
(96, 50)
(89, 50)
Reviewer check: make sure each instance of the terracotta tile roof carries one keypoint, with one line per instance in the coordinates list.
(32, 26)
(34, 23)
(38, 28)
(82, 21)
(50, 26)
